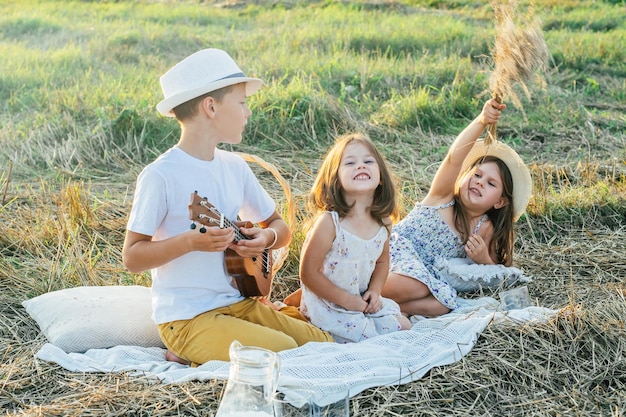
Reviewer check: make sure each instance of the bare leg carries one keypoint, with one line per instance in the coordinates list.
(169, 356)
(428, 306)
(413, 296)
(294, 298)
(401, 288)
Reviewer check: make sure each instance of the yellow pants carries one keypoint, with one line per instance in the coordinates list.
(209, 335)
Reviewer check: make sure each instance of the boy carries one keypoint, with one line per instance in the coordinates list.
(196, 306)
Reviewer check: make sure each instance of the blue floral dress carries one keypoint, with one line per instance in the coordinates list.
(349, 264)
(418, 240)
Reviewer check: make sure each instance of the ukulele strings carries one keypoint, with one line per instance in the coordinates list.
(266, 263)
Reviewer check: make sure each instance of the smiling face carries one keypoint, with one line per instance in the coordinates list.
(358, 170)
(352, 169)
(482, 188)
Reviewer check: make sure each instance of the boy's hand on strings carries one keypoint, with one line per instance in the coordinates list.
(213, 239)
(254, 246)
(374, 303)
(477, 250)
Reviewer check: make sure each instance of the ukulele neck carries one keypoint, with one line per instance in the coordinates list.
(238, 235)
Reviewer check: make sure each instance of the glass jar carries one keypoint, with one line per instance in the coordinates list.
(252, 382)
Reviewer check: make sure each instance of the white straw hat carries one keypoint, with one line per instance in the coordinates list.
(522, 182)
(198, 74)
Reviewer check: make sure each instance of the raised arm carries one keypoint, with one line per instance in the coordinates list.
(442, 187)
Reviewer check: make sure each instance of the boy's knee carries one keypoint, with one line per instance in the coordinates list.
(320, 335)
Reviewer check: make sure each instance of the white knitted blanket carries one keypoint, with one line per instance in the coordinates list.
(392, 359)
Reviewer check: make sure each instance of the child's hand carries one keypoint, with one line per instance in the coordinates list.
(356, 303)
(254, 246)
(477, 250)
(213, 239)
(374, 303)
(491, 112)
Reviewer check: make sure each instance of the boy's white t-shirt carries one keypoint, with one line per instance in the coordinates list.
(197, 281)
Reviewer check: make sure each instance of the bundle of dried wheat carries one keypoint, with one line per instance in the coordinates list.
(520, 52)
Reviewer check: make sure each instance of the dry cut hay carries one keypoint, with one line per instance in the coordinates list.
(573, 365)
(519, 52)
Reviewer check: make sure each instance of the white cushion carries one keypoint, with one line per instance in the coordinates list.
(82, 318)
(466, 276)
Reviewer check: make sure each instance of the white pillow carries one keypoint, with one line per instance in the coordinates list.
(466, 276)
(82, 318)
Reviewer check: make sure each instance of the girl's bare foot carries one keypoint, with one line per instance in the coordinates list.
(169, 356)
(268, 303)
(293, 299)
(405, 323)
(286, 309)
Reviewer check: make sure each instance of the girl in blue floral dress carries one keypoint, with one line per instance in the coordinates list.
(345, 257)
(476, 195)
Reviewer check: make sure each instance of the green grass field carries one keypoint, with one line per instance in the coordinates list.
(78, 90)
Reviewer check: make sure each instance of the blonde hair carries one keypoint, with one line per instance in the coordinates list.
(327, 192)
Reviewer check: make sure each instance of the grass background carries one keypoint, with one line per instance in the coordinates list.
(77, 123)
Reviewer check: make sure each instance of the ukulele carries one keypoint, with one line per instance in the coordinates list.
(253, 276)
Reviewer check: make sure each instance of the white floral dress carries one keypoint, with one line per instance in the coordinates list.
(418, 240)
(349, 264)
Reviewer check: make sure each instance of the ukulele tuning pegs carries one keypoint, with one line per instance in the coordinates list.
(192, 226)
(203, 229)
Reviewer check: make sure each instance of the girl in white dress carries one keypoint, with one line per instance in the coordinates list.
(345, 257)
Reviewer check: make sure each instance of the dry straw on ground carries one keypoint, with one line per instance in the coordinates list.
(574, 365)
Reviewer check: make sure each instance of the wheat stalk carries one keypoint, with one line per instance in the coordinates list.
(519, 52)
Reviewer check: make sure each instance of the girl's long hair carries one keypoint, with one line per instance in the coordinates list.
(501, 219)
(327, 192)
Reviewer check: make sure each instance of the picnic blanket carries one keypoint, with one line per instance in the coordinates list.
(392, 359)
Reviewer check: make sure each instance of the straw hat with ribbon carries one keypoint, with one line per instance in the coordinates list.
(522, 182)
